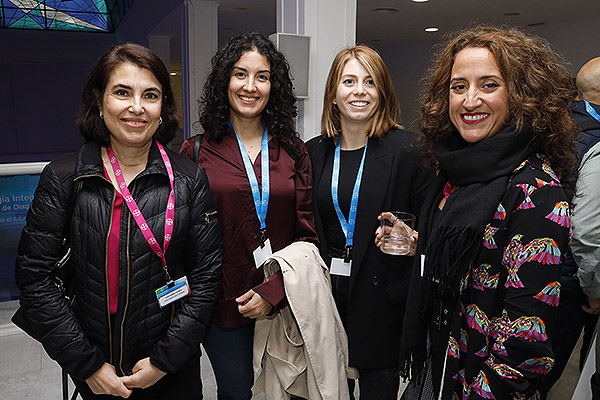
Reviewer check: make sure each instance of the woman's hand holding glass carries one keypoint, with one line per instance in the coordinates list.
(395, 234)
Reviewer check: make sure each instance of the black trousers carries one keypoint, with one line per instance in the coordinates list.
(184, 385)
(570, 321)
(376, 384)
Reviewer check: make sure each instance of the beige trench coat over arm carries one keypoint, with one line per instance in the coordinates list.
(302, 349)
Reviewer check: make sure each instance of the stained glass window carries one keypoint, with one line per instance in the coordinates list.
(63, 15)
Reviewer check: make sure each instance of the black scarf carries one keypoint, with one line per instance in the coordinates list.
(481, 171)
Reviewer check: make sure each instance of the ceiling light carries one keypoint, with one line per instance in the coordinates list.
(384, 10)
(420, 1)
(432, 29)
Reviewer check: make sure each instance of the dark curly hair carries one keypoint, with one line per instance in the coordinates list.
(539, 85)
(91, 126)
(280, 111)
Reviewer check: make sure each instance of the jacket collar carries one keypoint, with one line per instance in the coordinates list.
(377, 149)
(377, 170)
(589, 128)
(89, 161)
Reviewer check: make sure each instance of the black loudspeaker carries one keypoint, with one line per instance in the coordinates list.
(296, 49)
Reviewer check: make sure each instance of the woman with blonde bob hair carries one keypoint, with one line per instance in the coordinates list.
(364, 154)
(494, 228)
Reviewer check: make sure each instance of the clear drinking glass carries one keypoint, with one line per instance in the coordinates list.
(396, 229)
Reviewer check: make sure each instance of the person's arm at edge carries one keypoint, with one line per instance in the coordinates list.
(586, 228)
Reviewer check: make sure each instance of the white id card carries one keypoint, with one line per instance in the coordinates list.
(167, 295)
(340, 267)
(262, 253)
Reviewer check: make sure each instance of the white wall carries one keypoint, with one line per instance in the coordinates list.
(328, 36)
(577, 41)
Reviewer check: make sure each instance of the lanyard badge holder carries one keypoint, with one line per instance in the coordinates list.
(343, 266)
(261, 203)
(173, 290)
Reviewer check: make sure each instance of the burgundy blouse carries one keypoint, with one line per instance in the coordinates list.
(289, 217)
(112, 256)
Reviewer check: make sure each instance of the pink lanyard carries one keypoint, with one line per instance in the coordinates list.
(137, 214)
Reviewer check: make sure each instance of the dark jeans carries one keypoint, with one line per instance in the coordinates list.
(230, 354)
(376, 384)
(184, 385)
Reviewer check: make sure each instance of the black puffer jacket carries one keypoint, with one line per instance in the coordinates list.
(82, 338)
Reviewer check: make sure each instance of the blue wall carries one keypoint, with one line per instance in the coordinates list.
(41, 77)
(38, 107)
(42, 74)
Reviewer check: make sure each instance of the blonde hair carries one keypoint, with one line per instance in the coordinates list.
(388, 110)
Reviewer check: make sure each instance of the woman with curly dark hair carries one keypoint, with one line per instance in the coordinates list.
(280, 110)
(495, 228)
(261, 180)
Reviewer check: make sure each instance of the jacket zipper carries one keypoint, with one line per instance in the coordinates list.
(207, 216)
(110, 335)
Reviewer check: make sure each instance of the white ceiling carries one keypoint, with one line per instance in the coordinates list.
(407, 25)
(239, 16)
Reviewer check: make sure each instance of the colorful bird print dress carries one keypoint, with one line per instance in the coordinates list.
(498, 346)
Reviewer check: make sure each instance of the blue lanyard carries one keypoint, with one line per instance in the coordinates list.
(592, 111)
(347, 226)
(260, 205)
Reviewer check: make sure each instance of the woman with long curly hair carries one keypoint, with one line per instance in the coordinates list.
(495, 228)
(261, 180)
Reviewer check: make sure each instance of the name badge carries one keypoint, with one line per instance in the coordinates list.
(167, 295)
(262, 253)
(340, 267)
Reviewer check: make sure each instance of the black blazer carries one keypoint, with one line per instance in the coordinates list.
(393, 179)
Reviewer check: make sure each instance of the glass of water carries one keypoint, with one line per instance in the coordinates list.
(396, 228)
